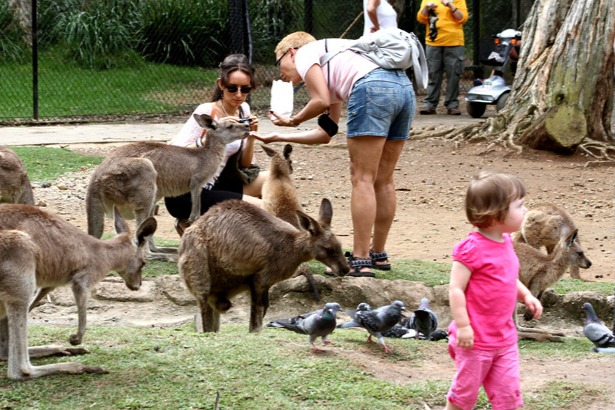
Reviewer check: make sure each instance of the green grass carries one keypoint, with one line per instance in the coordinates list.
(161, 368)
(68, 90)
(47, 164)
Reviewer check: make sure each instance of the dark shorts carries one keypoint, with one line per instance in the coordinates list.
(227, 186)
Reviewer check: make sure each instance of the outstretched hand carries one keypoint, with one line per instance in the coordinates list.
(272, 137)
(280, 120)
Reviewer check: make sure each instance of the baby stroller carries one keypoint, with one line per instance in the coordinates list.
(494, 90)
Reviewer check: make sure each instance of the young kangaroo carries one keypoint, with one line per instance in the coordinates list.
(544, 226)
(236, 246)
(135, 176)
(19, 256)
(538, 271)
(15, 186)
(66, 255)
(280, 198)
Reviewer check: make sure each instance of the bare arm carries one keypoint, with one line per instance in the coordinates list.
(314, 136)
(460, 275)
(533, 304)
(372, 14)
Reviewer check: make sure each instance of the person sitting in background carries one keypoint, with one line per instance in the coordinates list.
(235, 83)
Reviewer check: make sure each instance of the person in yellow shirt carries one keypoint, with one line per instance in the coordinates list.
(445, 51)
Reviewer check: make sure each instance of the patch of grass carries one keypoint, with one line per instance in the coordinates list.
(160, 368)
(154, 269)
(47, 164)
(574, 347)
(568, 285)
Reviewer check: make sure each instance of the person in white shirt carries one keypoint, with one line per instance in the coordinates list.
(235, 83)
(378, 14)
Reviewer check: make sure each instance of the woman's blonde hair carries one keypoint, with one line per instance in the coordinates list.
(489, 196)
(293, 40)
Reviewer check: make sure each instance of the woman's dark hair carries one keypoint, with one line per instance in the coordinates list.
(231, 63)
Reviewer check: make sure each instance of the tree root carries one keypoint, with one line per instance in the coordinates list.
(603, 152)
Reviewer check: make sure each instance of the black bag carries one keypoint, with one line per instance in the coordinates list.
(246, 175)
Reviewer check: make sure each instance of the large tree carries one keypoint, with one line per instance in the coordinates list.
(562, 95)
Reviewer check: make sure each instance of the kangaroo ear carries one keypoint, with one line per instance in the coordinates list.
(308, 223)
(268, 150)
(572, 236)
(326, 213)
(288, 149)
(206, 121)
(147, 228)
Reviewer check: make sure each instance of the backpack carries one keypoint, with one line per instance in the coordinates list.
(392, 49)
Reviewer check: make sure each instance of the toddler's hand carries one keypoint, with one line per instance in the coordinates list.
(465, 337)
(533, 305)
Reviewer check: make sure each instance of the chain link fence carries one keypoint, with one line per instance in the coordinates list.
(117, 58)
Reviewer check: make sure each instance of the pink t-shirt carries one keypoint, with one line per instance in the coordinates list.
(491, 293)
(343, 70)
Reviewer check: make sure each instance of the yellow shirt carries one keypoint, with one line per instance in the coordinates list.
(450, 30)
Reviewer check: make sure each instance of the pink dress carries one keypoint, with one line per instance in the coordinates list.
(491, 293)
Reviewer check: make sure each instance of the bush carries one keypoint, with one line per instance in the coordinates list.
(187, 33)
(12, 36)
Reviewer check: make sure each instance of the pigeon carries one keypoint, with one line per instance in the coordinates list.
(320, 323)
(423, 320)
(376, 321)
(600, 335)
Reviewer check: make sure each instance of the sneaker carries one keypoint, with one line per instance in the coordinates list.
(427, 111)
(454, 111)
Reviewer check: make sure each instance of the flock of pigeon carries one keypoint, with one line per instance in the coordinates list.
(389, 321)
(385, 321)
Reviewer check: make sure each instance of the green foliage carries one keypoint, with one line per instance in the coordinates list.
(12, 45)
(568, 285)
(189, 32)
(94, 34)
(46, 164)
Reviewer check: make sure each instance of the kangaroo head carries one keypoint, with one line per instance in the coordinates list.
(131, 273)
(326, 248)
(226, 131)
(574, 251)
(282, 164)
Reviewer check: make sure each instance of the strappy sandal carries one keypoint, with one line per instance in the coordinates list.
(380, 257)
(356, 264)
(180, 226)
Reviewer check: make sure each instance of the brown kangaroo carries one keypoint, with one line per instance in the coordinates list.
(237, 246)
(15, 186)
(66, 255)
(544, 226)
(135, 176)
(280, 198)
(538, 271)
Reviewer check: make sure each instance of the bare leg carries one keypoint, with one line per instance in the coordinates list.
(386, 197)
(255, 187)
(365, 156)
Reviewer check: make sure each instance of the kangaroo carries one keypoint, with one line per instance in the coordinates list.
(135, 176)
(280, 198)
(17, 285)
(538, 271)
(15, 187)
(66, 255)
(237, 246)
(544, 226)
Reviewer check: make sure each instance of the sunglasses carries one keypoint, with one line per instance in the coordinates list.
(277, 62)
(232, 88)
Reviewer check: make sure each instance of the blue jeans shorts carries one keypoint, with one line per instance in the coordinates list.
(381, 104)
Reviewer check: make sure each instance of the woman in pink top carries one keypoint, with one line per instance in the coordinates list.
(381, 106)
(483, 292)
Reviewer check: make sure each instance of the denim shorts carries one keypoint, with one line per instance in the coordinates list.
(381, 104)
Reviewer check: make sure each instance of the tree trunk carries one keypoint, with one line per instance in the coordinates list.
(563, 89)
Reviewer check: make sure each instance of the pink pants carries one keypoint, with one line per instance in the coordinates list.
(496, 370)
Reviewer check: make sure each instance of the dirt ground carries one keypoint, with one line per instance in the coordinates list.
(432, 176)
